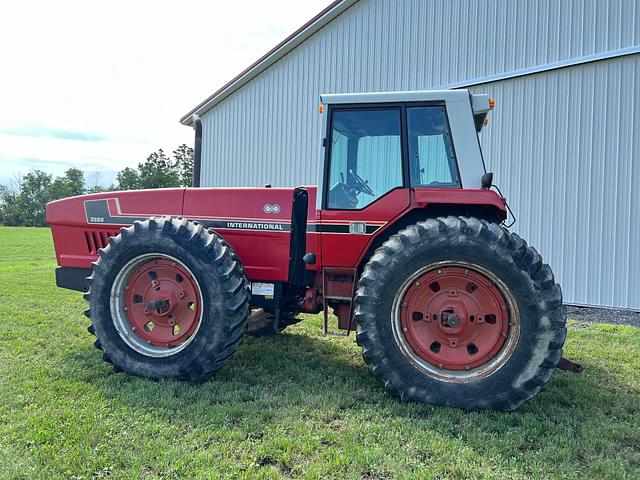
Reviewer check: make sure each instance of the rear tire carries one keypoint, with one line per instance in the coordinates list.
(202, 323)
(417, 357)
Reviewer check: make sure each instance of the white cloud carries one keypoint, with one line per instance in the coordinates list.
(123, 70)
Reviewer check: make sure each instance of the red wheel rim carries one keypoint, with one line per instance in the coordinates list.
(163, 303)
(456, 318)
(156, 305)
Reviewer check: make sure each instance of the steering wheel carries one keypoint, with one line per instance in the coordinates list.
(358, 184)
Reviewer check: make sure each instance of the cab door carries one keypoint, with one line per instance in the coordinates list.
(365, 184)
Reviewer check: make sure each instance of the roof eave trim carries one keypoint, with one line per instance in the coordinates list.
(271, 57)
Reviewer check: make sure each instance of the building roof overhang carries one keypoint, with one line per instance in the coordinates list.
(268, 59)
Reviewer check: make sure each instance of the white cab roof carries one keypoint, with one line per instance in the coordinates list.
(480, 102)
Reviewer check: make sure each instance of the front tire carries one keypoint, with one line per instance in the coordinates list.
(167, 299)
(460, 312)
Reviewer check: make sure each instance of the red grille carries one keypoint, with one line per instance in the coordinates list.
(97, 239)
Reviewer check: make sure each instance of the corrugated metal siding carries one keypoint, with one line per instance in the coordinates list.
(270, 130)
(565, 147)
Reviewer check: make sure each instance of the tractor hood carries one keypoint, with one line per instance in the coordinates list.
(256, 221)
(115, 208)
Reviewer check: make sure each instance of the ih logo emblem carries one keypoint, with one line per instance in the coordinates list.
(268, 208)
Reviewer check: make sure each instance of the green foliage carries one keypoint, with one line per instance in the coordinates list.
(128, 179)
(25, 203)
(183, 155)
(71, 184)
(159, 171)
(35, 192)
(9, 208)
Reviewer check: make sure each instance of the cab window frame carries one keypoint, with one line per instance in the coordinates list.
(404, 146)
(399, 107)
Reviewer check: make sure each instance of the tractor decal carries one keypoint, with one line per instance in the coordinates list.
(99, 211)
(107, 211)
(370, 228)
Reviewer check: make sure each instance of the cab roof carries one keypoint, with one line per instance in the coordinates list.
(479, 102)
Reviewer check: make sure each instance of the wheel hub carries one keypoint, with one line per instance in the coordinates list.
(454, 318)
(158, 304)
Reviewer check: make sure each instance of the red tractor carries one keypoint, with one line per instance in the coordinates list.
(403, 240)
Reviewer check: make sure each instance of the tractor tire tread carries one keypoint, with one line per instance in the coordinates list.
(435, 235)
(224, 288)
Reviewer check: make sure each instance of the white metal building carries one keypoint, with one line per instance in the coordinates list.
(563, 140)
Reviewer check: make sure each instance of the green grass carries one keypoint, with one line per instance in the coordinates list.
(294, 405)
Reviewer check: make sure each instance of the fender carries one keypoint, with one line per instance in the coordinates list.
(433, 202)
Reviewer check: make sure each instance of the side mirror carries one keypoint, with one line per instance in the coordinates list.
(487, 180)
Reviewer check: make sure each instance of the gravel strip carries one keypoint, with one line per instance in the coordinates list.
(603, 315)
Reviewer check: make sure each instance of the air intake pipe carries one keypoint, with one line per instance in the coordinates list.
(197, 150)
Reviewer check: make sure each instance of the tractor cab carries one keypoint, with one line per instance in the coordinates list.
(378, 142)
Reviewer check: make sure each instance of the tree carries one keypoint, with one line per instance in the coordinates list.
(128, 179)
(9, 210)
(69, 185)
(34, 194)
(159, 171)
(183, 156)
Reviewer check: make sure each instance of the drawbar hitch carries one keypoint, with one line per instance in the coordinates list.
(569, 366)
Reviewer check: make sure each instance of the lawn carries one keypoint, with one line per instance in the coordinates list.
(294, 405)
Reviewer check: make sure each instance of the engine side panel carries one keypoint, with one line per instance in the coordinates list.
(255, 221)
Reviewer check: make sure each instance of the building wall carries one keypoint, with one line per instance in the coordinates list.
(562, 143)
(565, 146)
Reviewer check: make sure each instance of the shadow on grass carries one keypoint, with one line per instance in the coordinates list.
(298, 372)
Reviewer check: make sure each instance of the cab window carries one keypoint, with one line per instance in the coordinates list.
(432, 161)
(365, 157)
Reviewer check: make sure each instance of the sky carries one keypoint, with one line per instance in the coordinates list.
(101, 85)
